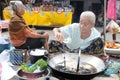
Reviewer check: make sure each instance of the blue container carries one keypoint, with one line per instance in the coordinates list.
(4, 46)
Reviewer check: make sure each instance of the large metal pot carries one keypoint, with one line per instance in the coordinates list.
(93, 60)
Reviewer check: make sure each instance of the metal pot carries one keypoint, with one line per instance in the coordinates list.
(41, 54)
(94, 61)
(32, 76)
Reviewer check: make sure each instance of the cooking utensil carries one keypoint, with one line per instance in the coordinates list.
(36, 54)
(94, 61)
(78, 61)
(64, 55)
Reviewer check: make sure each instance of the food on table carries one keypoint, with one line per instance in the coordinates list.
(112, 45)
(39, 65)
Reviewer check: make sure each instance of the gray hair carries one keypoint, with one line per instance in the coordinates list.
(90, 15)
(15, 5)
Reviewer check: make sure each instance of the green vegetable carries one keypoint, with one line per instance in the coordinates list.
(26, 68)
(40, 63)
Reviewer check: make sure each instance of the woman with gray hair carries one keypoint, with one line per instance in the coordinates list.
(82, 35)
(21, 36)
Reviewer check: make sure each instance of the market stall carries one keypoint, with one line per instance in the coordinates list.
(46, 14)
(44, 18)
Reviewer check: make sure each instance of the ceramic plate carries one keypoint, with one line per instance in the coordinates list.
(112, 51)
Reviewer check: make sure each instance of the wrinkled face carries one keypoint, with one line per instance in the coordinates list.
(20, 10)
(85, 23)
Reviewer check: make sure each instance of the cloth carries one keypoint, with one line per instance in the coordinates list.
(111, 9)
(73, 31)
(95, 47)
(19, 31)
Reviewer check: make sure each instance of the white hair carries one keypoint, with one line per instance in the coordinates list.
(15, 5)
(90, 15)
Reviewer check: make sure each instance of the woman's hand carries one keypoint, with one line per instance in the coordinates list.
(105, 57)
(59, 36)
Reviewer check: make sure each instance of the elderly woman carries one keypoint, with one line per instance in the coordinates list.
(82, 35)
(21, 36)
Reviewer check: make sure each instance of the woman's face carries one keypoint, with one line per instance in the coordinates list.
(21, 10)
(85, 23)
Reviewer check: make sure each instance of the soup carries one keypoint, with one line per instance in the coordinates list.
(71, 67)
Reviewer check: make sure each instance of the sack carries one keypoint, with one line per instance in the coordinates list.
(113, 67)
(16, 56)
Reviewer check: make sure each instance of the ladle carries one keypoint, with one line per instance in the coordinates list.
(78, 64)
(64, 55)
(66, 40)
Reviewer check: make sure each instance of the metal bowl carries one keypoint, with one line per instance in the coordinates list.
(26, 75)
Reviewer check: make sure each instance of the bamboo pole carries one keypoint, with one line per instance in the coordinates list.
(104, 21)
(104, 29)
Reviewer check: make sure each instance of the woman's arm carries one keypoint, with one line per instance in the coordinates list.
(30, 33)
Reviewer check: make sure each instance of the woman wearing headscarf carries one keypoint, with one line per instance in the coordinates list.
(21, 36)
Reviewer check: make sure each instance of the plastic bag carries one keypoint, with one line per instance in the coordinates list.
(4, 44)
(113, 67)
(7, 71)
(113, 27)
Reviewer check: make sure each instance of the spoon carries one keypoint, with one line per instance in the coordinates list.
(78, 64)
(64, 56)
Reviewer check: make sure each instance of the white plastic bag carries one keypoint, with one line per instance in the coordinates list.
(7, 71)
(3, 41)
(113, 27)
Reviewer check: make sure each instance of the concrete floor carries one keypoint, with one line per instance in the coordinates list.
(100, 29)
